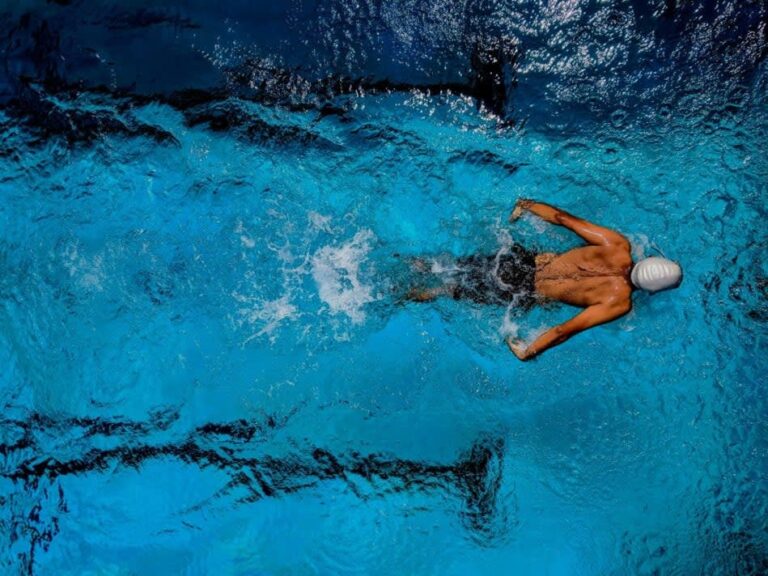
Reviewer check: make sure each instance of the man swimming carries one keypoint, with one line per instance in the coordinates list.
(599, 277)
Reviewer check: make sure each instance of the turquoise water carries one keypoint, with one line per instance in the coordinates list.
(206, 368)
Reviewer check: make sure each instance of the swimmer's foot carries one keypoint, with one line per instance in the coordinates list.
(420, 295)
(416, 263)
(420, 265)
(428, 294)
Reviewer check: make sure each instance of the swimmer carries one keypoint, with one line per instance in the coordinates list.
(599, 277)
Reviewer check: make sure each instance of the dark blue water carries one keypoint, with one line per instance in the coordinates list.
(205, 214)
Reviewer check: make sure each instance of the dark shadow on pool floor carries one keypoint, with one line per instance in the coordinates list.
(475, 477)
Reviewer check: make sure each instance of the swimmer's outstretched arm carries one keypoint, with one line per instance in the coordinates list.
(592, 316)
(591, 233)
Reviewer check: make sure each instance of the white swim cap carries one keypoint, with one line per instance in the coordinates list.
(654, 274)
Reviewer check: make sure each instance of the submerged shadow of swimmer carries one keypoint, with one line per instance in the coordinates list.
(599, 277)
(476, 476)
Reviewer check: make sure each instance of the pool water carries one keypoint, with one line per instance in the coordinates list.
(207, 365)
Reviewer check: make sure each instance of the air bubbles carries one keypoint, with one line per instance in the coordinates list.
(619, 118)
(572, 150)
(664, 113)
(611, 150)
(689, 101)
(735, 158)
(738, 95)
(336, 270)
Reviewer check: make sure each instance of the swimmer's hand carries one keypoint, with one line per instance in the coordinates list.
(518, 348)
(521, 205)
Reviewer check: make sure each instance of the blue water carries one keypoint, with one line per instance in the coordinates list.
(205, 365)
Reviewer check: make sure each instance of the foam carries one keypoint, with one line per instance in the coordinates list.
(268, 314)
(641, 245)
(87, 272)
(508, 326)
(320, 222)
(245, 239)
(336, 271)
(503, 237)
(442, 266)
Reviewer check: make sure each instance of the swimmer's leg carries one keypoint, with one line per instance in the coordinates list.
(429, 294)
(416, 263)
(420, 265)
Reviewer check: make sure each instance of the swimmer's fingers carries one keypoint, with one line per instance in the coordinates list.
(517, 347)
(520, 206)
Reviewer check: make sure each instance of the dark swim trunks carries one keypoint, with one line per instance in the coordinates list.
(505, 278)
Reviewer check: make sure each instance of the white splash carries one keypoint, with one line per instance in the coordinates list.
(245, 238)
(320, 222)
(266, 314)
(87, 272)
(336, 270)
(641, 244)
(442, 265)
(509, 327)
(503, 236)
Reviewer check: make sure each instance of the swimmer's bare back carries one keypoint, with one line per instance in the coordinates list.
(595, 277)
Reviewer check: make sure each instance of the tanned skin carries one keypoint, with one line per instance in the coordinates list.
(595, 277)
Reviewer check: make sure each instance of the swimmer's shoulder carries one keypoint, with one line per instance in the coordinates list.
(620, 297)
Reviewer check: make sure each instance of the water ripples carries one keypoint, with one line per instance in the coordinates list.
(199, 304)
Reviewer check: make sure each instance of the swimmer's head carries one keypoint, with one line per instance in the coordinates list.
(655, 274)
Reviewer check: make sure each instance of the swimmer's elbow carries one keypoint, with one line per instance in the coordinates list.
(622, 242)
(621, 308)
(610, 312)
